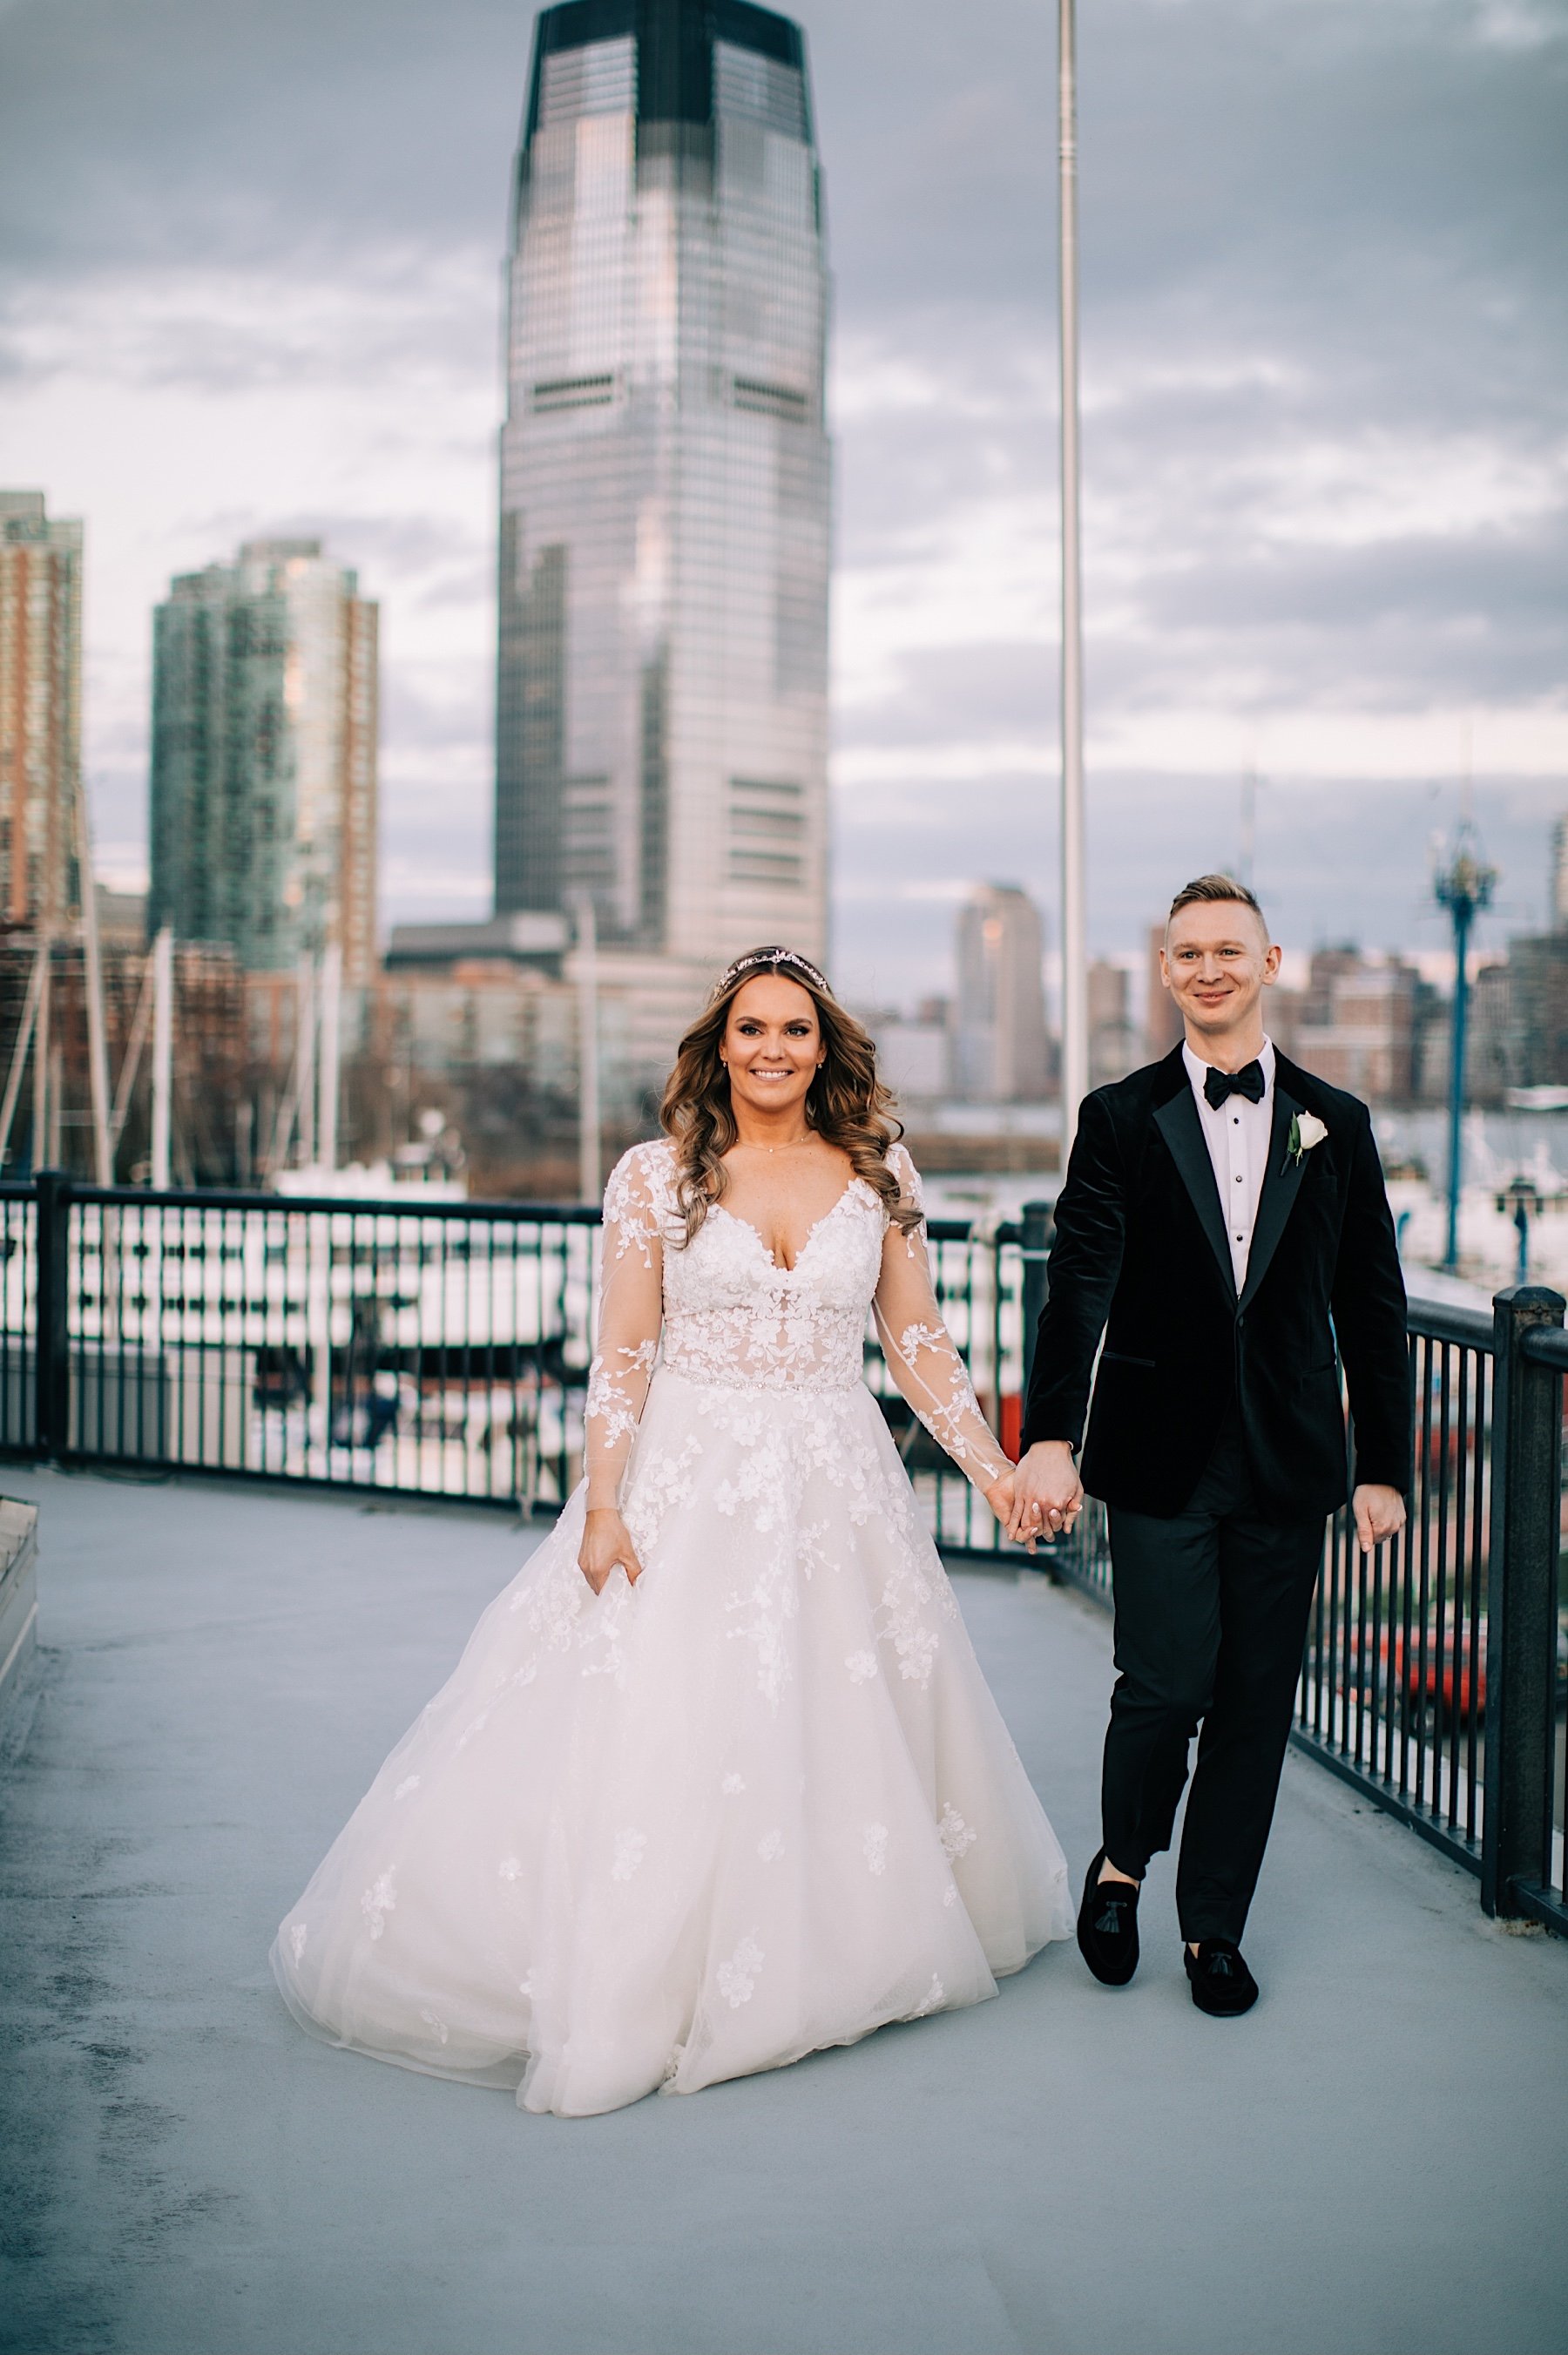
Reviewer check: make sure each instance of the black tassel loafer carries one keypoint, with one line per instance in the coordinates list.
(1221, 1984)
(1108, 1927)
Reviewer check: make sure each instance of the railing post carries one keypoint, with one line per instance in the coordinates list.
(51, 1361)
(1037, 1220)
(1521, 1603)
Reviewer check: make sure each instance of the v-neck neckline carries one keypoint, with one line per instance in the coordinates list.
(807, 1241)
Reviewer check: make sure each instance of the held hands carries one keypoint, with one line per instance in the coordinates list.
(1022, 1524)
(1379, 1512)
(605, 1542)
(1047, 1495)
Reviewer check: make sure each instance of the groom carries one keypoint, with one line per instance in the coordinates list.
(1223, 1223)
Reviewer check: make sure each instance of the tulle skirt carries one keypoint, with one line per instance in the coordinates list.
(760, 1804)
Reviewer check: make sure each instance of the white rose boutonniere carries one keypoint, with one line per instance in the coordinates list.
(1306, 1131)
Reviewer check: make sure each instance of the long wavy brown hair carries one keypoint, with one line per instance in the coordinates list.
(848, 1105)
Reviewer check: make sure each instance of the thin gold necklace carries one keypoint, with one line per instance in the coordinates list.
(804, 1138)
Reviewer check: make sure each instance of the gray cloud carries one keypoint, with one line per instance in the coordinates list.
(218, 129)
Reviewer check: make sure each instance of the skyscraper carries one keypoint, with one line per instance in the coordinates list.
(264, 755)
(662, 687)
(1002, 1052)
(40, 711)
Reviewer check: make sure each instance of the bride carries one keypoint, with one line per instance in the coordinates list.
(718, 1781)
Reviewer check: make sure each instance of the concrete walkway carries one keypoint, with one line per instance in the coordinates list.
(1373, 2160)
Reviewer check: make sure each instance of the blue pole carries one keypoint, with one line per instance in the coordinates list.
(1462, 913)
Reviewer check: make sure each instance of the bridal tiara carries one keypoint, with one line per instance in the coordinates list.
(774, 957)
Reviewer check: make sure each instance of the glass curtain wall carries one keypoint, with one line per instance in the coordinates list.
(661, 715)
(265, 759)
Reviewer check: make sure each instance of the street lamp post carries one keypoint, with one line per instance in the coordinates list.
(1075, 924)
(589, 1149)
(1464, 888)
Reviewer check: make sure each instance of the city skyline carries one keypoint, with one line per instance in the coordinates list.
(1322, 424)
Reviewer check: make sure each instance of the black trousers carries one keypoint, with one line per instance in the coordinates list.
(1212, 1612)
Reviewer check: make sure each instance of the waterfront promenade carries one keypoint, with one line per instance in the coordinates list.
(1373, 2160)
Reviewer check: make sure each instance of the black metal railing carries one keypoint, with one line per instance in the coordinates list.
(1433, 1672)
(441, 1348)
(1523, 1869)
(438, 1349)
(1394, 1685)
(428, 1347)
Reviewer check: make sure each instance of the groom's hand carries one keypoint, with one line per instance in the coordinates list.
(1048, 1495)
(1378, 1513)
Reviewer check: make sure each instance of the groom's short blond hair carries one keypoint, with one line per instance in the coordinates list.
(1204, 888)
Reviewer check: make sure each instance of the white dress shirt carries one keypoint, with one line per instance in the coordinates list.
(1237, 1136)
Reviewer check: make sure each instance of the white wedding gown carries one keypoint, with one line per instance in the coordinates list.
(761, 1803)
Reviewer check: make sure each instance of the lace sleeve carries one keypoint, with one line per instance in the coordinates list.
(631, 1311)
(920, 1350)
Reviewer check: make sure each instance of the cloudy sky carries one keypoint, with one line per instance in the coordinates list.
(249, 282)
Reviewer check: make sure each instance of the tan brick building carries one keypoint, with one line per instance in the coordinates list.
(40, 711)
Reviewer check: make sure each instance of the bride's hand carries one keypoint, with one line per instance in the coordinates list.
(605, 1542)
(1000, 1494)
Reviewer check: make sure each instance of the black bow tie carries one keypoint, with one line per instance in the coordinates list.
(1248, 1082)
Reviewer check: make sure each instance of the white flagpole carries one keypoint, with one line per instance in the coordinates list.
(97, 1047)
(41, 1057)
(131, 1062)
(308, 1019)
(1074, 920)
(589, 1172)
(163, 1056)
(331, 1051)
(19, 1053)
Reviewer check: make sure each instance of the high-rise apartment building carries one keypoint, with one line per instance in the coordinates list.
(1114, 1039)
(1002, 1050)
(40, 711)
(1163, 1026)
(662, 690)
(264, 758)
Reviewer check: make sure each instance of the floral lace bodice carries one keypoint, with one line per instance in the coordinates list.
(720, 1311)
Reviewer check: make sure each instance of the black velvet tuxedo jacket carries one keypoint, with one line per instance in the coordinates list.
(1141, 1254)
